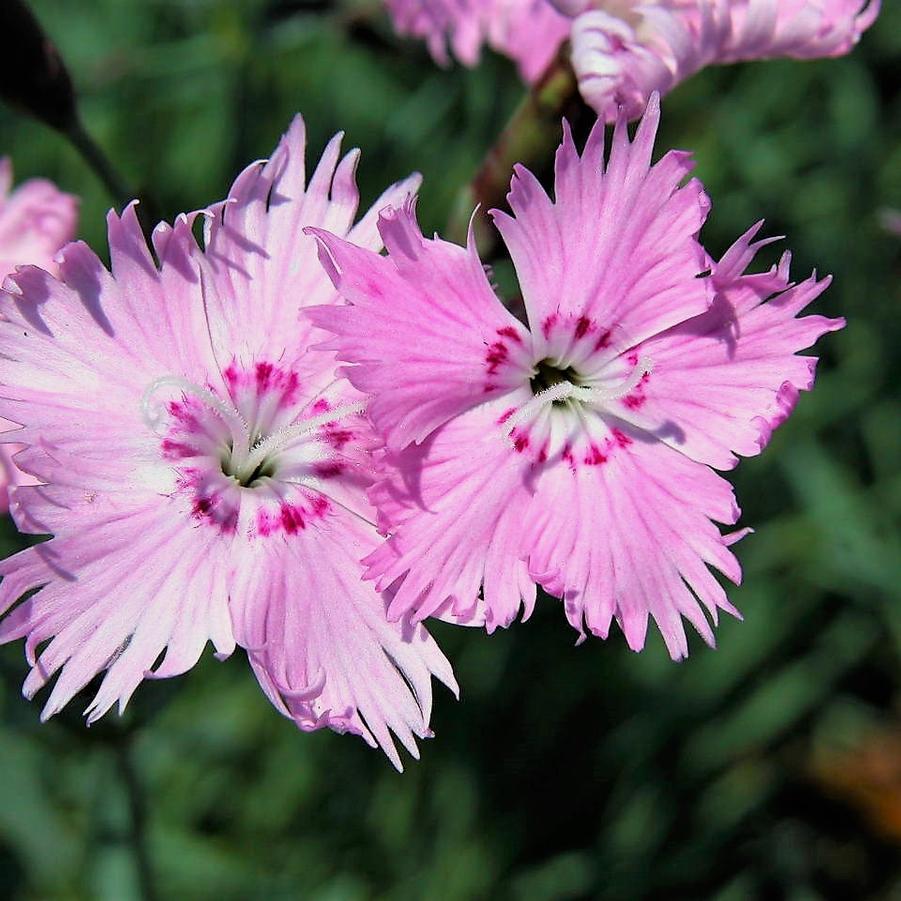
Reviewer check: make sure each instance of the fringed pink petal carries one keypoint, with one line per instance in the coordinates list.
(423, 327)
(112, 597)
(632, 538)
(455, 508)
(618, 246)
(264, 268)
(723, 381)
(326, 656)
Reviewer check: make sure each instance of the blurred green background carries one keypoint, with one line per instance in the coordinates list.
(769, 768)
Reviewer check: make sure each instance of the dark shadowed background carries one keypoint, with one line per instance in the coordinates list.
(769, 768)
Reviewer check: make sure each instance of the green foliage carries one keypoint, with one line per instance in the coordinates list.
(564, 772)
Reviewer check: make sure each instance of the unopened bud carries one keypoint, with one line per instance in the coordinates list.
(33, 77)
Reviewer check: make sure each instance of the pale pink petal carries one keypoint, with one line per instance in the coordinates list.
(10, 474)
(454, 507)
(530, 32)
(632, 216)
(466, 347)
(83, 350)
(631, 538)
(115, 592)
(264, 268)
(721, 382)
(320, 644)
(36, 220)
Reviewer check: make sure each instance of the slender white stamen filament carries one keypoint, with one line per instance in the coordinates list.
(281, 439)
(232, 418)
(599, 395)
(560, 391)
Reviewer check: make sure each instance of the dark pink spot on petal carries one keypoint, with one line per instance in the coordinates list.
(229, 522)
(595, 457)
(496, 356)
(337, 437)
(183, 414)
(292, 519)
(509, 332)
(583, 326)
(210, 509)
(188, 478)
(506, 415)
(520, 441)
(621, 438)
(263, 375)
(321, 506)
(603, 340)
(548, 323)
(176, 450)
(634, 401)
(321, 406)
(265, 523)
(328, 470)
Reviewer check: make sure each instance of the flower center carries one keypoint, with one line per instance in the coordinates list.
(549, 375)
(261, 443)
(576, 400)
(236, 468)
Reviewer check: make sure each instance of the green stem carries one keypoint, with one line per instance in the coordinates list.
(94, 156)
(119, 189)
(137, 809)
(529, 137)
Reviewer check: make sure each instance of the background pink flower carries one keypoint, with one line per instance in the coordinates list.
(528, 31)
(36, 220)
(577, 453)
(624, 51)
(203, 467)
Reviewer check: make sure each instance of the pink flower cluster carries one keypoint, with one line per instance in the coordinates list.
(210, 472)
(623, 50)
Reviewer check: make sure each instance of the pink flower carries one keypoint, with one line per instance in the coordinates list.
(528, 31)
(36, 220)
(576, 453)
(203, 467)
(621, 52)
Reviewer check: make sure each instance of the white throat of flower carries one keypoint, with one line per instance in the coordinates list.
(596, 396)
(245, 458)
(271, 445)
